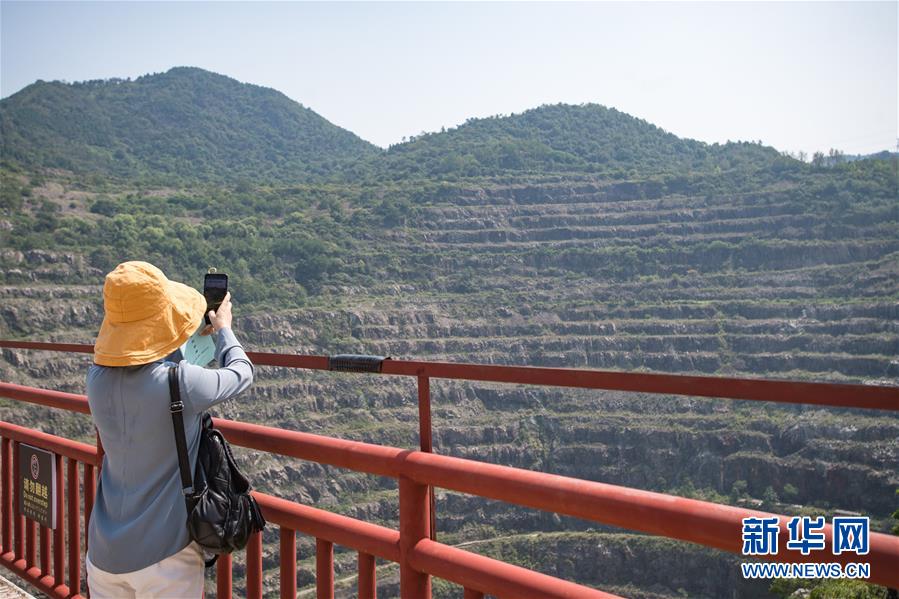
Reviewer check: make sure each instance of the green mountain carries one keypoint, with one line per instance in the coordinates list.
(195, 125)
(185, 123)
(563, 138)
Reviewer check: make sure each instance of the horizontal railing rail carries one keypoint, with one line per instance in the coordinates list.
(844, 395)
(414, 546)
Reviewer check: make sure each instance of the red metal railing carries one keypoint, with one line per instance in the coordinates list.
(18, 533)
(418, 472)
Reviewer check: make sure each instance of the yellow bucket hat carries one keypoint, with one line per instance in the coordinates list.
(147, 317)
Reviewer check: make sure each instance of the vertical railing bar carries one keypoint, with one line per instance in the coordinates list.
(324, 569)
(45, 550)
(254, 566)
(7, 495)
(59, 536)
(368, 587)
(414, 524)
(89, 489)
(223, 577)
(74, 522)
(18, 520)
(425, 441)
(30, 544)
(288, 538)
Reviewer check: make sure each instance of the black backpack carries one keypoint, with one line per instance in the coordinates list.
(221, 513)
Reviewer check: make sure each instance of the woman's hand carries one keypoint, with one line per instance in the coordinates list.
(221, 318)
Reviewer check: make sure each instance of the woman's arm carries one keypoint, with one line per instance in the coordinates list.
(203, 387)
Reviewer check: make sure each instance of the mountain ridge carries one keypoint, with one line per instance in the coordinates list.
(195, 124)
(185, 122)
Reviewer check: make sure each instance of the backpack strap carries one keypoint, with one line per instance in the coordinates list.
(176, 407)
(177, 410)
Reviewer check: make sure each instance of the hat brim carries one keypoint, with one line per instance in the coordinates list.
(147, 340)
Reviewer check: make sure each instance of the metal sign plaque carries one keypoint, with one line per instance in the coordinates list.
(37, 485)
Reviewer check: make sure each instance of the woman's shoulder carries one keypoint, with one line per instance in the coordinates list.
(96, 372)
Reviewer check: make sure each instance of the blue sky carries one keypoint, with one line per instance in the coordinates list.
(799, 76)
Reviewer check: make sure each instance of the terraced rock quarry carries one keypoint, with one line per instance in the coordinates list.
(576, 275)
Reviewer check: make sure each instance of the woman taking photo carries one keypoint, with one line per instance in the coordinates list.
(138, 543)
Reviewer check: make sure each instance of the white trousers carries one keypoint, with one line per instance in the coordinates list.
(178, 576)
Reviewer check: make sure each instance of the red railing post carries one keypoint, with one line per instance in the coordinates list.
(30, 544)
(414, 524)
(59, 537)
(288, 563)
(254, 567)
(45, 550)
(424, 438)
(324, 569)
(18, 520)
(223, 577)
(368, 588)
(7, 496)
(473, 594)
(90, 487)
(74, 522)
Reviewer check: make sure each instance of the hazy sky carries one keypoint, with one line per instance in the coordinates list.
(799, 76)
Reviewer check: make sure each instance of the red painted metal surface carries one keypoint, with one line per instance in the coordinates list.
(254, 567)
(424, 436)
(324, 569)
(7, 482)
(44, 397)
(44, 535)
(414, 523)
(21, 555)
(19, 521)
(700, 522)
(74, 499)
(90, 488)
(223, 588)
(341, 530)
(420, 471)
(825, 394)
(494, 577)
(709, 524)
(828, 394)
(354, 455)
(367, 582)
(288, 553)
(71, 449)
(59, 539)
(30, 544)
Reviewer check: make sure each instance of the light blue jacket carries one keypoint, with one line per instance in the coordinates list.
(139, 516)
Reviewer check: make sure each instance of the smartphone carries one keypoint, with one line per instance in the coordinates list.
(215, 286)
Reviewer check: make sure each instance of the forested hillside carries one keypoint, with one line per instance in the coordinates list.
(185, 124)
(571, 236)
(566, 139)
(190, 125)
